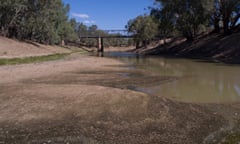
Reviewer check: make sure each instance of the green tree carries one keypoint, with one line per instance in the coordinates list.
(93, 30)
(226, 13)
(82, 32)
(11, 12)
(187, 16)
(165, 24)
(144, 28)
(43, 21)
(230, 12)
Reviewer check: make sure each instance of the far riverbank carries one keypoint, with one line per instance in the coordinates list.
(209, 47)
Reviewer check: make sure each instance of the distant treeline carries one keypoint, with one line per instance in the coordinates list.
(45, 21)
(187, 18)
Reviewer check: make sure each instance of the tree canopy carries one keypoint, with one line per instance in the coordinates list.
(189, 17)
(144, 28)
(44, 21)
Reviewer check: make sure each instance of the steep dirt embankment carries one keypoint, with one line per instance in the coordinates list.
(10, 48)
(214, 47)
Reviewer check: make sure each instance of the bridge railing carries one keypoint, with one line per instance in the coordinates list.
(116, 33)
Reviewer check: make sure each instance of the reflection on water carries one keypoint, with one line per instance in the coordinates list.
(196, 81)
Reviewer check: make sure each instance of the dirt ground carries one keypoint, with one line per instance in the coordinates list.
(85, 99)
(90, 100)
(10, 48)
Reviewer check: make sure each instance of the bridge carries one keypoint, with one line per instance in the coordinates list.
(100, 38)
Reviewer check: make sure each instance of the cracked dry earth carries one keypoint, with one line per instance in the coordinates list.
(78, 100)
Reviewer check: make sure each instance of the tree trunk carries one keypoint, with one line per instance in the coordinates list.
(3, 31)
(226, 26)
(226, 14)
(216, 21)
(235, 20)
(216, 27)
(144, 42)
(137, 44)
(62, 42)
(189, 36)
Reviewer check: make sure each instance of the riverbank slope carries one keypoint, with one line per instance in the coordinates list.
(212, 46)
(10, 48)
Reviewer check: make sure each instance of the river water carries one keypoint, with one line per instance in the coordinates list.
(192, 81)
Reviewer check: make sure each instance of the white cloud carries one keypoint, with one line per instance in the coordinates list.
(89, 22)
(83, 16)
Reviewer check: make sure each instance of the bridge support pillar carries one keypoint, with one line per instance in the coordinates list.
(102, 45)
(99, 44)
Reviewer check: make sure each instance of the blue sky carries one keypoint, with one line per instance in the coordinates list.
(107, 14)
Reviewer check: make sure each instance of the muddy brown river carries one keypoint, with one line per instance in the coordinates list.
(186, 80)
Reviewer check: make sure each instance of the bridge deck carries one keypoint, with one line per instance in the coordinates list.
(108, 37)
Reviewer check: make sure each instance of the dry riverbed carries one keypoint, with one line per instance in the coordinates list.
(83, 99)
